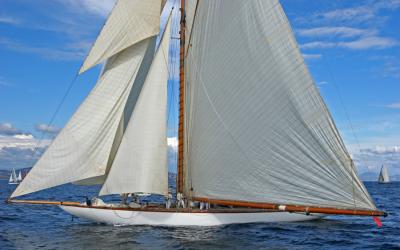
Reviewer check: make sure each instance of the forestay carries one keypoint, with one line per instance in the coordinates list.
(140, 165)
(82, 148)
(257, 128)
(130, 22)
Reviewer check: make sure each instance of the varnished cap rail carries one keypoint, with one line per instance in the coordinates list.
(40, 202)
(294, 208)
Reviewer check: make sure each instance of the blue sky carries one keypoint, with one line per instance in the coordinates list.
(352, 49)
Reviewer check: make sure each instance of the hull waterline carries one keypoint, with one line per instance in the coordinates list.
(176, 219)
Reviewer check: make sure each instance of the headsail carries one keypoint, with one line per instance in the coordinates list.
(140, 164)
(82, 148)
(256, 126)
(130, 22)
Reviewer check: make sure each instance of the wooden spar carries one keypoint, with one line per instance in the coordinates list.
(181, 134)
(40, 202)
(293, 208)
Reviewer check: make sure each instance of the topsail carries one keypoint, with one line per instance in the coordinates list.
(130, 22)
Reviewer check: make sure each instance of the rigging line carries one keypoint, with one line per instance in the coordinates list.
(191, 28)
(173, 65)
(72, 83)
(338, 91)
(70, 86)
(172, 71)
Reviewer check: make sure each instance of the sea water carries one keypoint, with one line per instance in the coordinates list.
(48, 227)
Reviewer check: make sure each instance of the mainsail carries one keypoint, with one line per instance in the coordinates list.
(384, 175)
(257, 128)
(140, 164)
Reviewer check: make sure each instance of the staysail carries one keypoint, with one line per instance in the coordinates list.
(256, 126)
(82, 148)
(140, 164)
(384, 175)
(130, 22)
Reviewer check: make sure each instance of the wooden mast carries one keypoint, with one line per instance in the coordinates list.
(181, 134)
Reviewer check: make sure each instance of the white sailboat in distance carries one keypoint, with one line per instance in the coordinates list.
(19, 178)
(256, 140)
(384, 175)
(13, 178)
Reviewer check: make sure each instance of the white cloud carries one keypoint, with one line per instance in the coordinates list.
(67, 53)
(312, 56)
(371, 159)
(393, 105)
(101, 8)
(373, 42)
(318, 45)
(18, 149)
(9, 129)
(173, 143)
(335, 31)
(392, 69)
(9, 20)
(382, 150)
(47, 129)
(370, 42)
(357, 14)
(18, 141)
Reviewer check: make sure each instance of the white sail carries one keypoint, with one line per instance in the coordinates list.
(140, 164)
(11, 178)
(82, 148)
(256, 126)
(130, 22)
(19, 178)
(384, 175)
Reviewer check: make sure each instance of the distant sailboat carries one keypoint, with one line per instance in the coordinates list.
(384, 175)
(256, 140)
(14, 179)
(19, 178)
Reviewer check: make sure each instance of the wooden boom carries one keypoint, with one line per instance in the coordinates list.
(294, 208)
(41, 202)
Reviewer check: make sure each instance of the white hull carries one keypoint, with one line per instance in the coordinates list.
(13, 183)
(125, 217)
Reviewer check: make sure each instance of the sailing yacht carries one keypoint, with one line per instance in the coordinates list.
(256, 140)
(14, 179)
(384, 175)
(19, 178)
